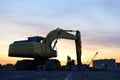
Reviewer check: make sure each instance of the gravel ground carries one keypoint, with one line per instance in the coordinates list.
(59, 75)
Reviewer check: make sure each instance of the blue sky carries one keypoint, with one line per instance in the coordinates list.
(98, 20)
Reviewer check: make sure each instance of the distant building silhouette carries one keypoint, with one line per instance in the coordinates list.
(104, 63)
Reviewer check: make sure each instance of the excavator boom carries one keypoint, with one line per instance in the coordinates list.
(59, 33)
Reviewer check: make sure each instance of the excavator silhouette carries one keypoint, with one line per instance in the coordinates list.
(41, 50)
(93, 58)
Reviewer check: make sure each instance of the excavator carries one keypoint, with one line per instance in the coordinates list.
(42, 49)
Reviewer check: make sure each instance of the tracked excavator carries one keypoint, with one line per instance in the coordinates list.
(41, 49)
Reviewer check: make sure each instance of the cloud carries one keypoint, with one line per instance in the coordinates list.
(108, 39)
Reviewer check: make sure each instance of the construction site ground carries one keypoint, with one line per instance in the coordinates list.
(59, 75)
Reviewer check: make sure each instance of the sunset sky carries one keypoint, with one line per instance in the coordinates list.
(97, 20)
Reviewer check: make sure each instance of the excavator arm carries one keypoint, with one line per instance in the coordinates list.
(65, 34)
(78, 48)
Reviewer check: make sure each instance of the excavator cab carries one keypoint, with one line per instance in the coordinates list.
(34, 47)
